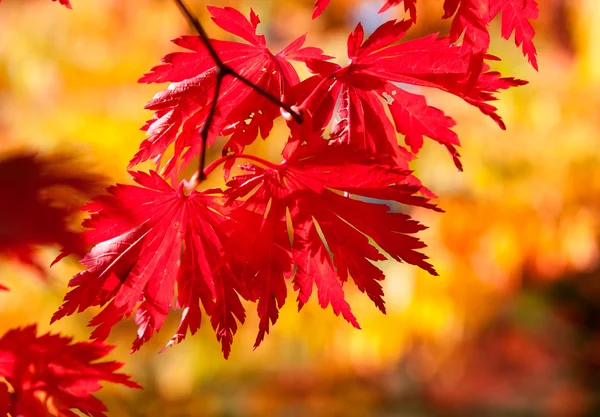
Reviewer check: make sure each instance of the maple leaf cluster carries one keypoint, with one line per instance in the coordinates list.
(40, 195)
(334, 205)
(49, 375)
(320, 217)
(471, 19)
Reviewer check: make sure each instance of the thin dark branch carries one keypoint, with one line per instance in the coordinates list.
(198, 27)
(223, 70)
(297, 117)
(208, 123)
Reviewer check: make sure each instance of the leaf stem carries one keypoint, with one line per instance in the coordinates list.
(223, 70)
(296, 115)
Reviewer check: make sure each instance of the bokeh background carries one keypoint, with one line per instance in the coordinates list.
(511, 327)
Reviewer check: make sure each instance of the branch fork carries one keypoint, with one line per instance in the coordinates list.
(222, 71)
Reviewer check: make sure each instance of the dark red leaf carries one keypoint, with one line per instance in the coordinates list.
(51, 375)
(40, 194)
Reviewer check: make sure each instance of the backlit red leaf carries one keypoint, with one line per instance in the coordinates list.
(325, 195)
(517, 16)
(472, 18)
(379, 75)
(147, 240)
(180, 111)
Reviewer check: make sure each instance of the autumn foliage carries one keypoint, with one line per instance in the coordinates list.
(49, 190)
(333, 205)
(222, 245)
(49, 375)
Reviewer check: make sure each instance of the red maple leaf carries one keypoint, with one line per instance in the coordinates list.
(409, 5)
(51, 376)
(472, 18)
(40, 194)
(342, 197)
(149, 239)
(152, 237)
(181, 110)
(5, 400)
(516, 17)
(66, 3)
(371, 82)
(327, 189)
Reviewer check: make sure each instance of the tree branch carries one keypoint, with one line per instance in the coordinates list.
(207, 124)
(223, 70)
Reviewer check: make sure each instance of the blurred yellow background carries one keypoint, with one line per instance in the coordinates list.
(510, 328)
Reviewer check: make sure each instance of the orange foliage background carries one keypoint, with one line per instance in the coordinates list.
(511, 326)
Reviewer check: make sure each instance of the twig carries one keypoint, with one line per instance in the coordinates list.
(223, 70)
(207, 125)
